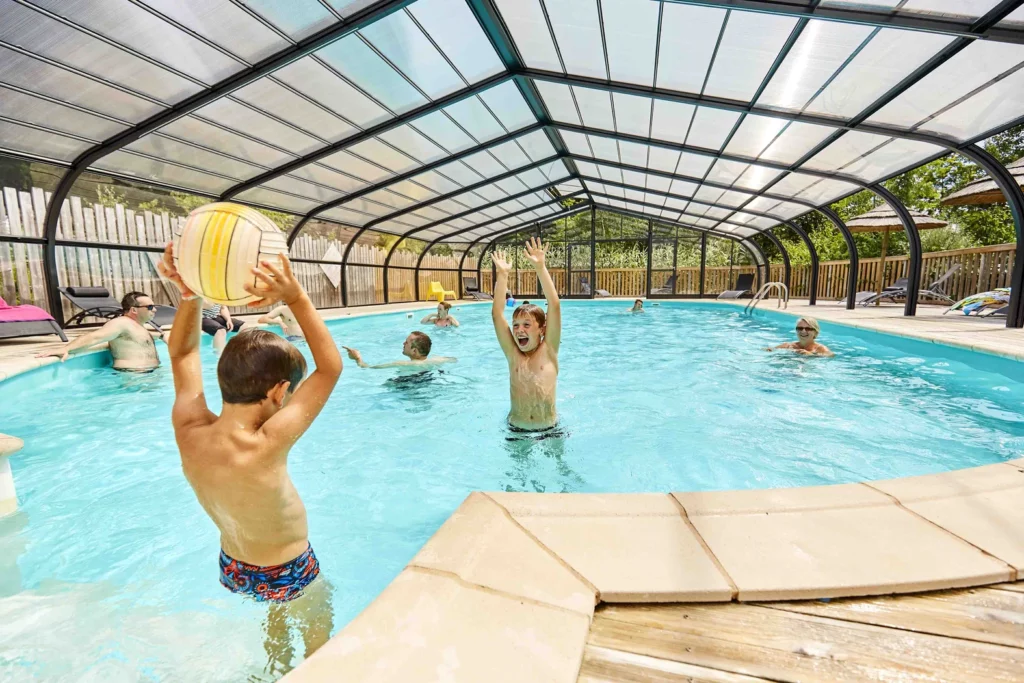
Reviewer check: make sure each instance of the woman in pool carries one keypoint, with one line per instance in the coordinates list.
(442, 318)
(531, 346)
(807, 330)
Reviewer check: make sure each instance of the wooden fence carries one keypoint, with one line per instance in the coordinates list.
(22, 214)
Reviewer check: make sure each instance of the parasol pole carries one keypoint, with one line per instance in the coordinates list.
(881, 264)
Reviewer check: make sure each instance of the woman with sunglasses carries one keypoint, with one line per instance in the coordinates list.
(130, 343)
(807, 330)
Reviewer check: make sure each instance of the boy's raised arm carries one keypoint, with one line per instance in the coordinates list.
(501, 328)
(312, 394)
(535, 252)
(183, 348)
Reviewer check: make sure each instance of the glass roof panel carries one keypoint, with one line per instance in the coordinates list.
(356, 167)
(270, 96)
(451, 25)
(536, 145)
(302, 188)
(236, 116)
(827, 191)
(383, 155)
(476, 119)
(29, 73)
(403, 44)
(510, 155)
(689, 35)
(762, 204)
(711, 127)
(755, 134)
(671, 121)
(792, 184)
(890, 158)
(795, 142)
(317, 82)
(756, 177)
(578, 36)
(748, 48)
(135, 166)
(354, 59)
(969, 69)
(506, 102)
(198, 158)
(525, 20)
(559, 101)
(993, 107)
(326, 176)
(413, 144)
(663, 159)
(27, 108)
(631, 32)
(847, 148)
(890, 57)
(39, 34)
(443, 131)
(344, 216)
(17, 138)
(632, 114)
(632, 153)
(820, 51)
(596, 108)
(298, 18)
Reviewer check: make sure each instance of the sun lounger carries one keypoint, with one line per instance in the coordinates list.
(861, 296)
(95, 302)
(898, 290)
(472, 290)
(744, 282)
(26, 321)
(585, 287)
(669, 288)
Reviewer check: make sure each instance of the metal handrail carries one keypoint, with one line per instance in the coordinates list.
(766, 289)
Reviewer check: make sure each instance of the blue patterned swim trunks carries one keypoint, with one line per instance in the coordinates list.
(279, 583)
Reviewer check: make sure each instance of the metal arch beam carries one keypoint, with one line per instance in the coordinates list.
(752, 248)
(914, 241)
(244, 77)
(1015, 199)
(412, 173)
(851, 246)
(813, 285)
(906, 21)
(786, 266)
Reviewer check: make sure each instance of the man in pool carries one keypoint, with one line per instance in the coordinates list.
(237, 462)
(283, 317)
(531, 346)
(130, 343)
(442, 318)
(416, 348)
(638, 306)
(807, 330)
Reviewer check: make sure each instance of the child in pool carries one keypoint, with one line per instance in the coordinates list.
(531, 346)
(237, 462)
(638, 306)
(283, 317)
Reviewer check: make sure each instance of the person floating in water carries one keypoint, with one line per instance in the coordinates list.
(531, 346)
(442, 318)
(283, 317)
(130, 343)
(416, 348)
(807, 330)
(638, 306)
(237, 462)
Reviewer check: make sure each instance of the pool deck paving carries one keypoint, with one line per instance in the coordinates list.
(675, 586)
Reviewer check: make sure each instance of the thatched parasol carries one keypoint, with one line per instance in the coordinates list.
(884, 220)
(985, 190)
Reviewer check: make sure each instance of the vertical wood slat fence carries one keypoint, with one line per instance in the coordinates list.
(21, 264)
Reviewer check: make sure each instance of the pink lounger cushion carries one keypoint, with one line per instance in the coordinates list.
(21, 314)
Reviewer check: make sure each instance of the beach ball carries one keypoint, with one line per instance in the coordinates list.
(219, 245)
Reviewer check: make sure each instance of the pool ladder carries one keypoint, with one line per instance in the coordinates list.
(766, 290)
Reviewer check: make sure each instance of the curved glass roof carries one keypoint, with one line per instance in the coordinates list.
(452, 119)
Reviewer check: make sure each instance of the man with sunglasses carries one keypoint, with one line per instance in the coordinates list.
(130, 343)
(807, 330)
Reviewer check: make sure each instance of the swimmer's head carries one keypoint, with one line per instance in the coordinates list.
(259, 367)
(807, 329)
(138, 306)
(638, 305)
(442, 309)
(416, 346)
(528, 327)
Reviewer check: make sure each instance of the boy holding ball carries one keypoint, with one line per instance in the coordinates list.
(237, 462)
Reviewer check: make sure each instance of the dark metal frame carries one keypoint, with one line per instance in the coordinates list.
(490, 21)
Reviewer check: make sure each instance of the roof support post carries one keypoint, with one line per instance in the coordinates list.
(786, 266)
(703, 258)
(813, 285)
(755, 250)
(851, 246)
(1015, 199)
(913, 239)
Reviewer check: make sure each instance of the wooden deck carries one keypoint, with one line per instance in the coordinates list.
(963, 635)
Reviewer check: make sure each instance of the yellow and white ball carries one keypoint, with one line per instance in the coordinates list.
(219, 245)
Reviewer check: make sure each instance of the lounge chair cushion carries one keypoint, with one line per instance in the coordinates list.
(89, 292)
(21, 314)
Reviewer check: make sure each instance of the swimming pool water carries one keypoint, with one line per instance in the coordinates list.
(109, 570)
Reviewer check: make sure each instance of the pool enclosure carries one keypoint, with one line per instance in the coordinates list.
(401, 141)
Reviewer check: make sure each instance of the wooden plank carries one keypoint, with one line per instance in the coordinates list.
(33, 211)
(779, 645)
(7, 292)
(19, 252)
(601, 665)
(983, 615)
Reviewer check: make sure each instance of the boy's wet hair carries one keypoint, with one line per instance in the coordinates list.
(256, 361)
(638, 301)
(530, 309)
(421, 342)
(446, 305)
(131, 299)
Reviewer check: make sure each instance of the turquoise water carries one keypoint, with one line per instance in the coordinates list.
(109, 571)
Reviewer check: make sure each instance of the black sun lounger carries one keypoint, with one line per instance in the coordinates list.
(472, 289)
(744, 282)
